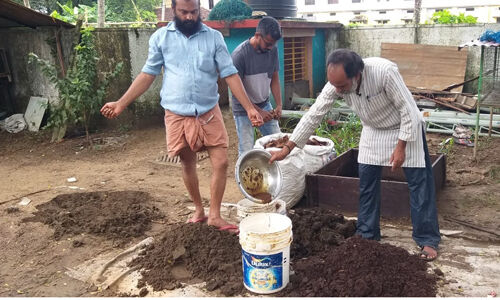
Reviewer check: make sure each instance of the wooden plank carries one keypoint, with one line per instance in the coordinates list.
(427, 66)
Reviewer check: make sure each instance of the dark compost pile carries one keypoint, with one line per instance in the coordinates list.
(326, 260)
(117, 215)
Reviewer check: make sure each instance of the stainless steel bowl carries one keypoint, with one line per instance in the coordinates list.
(258, 180)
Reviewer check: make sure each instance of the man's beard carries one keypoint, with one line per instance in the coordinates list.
(188, 27)
(262, 50)
(353, 88)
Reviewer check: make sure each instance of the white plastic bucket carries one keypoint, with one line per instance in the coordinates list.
(265, 240)
(247, 208)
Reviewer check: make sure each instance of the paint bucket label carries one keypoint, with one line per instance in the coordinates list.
(262, 273)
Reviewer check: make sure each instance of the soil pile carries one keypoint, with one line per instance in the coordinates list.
(317, 230)
(360, 268)
(326, 259)
(120, 215)
(207, 253)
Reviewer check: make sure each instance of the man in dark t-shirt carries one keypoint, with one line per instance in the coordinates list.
(256, 60)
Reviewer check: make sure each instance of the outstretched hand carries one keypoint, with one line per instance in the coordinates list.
(112, 110)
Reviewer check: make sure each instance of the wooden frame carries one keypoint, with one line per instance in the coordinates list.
(336, 186)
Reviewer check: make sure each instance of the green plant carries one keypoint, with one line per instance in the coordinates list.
(445, 17)
(81, 91)
(348, 135)
(71, 14)
(446, 146)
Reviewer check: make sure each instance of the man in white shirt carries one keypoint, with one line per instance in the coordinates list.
(393, 135)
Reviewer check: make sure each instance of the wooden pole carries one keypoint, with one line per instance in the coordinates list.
(101, 14)
(162, 10)
(478, 111)
(491, 121)
(416, 19)
(27, 3)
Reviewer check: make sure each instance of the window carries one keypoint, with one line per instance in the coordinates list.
(410, 11)
(309, 15)
(382, 12)
(295, 59)
(333, 1)
(438, 10)
(333, 14)
(356, 1)
(309, 2)
(357, 13)
(469, 9)
(408, 21)
(383, 21)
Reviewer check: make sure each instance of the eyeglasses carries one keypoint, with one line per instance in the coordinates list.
(268, 43)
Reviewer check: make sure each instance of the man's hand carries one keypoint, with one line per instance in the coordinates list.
(112, 110)
(266, 115)
(277, 112)
(398, 156)
(255, 117)
(278, 155)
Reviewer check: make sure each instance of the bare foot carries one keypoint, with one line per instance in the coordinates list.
(222, 224)
(198, 217)
(428, 253)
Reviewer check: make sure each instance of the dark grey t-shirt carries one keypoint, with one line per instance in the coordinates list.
(256, 71)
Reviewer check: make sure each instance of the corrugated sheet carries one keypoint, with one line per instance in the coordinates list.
(476, 43)
(15, 15)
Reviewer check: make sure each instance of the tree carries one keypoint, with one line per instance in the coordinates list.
(445, 17)
(416, 13)
(100, 13)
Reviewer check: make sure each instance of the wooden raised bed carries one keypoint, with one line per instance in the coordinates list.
(336, 186)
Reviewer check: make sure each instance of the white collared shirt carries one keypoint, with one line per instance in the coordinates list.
(387, 112)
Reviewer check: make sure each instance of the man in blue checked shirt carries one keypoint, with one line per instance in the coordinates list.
(192, 56)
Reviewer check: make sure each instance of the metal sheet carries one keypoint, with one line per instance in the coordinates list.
(16, 15)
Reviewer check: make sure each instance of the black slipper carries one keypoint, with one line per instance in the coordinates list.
(424, 255)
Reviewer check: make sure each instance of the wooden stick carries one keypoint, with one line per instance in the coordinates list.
(445, 104)
(449, 88)
(37, 192)
(464, 223)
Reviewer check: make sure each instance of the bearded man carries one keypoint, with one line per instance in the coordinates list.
(393, 135)
(192, 56)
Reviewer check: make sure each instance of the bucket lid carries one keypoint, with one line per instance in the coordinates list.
(265, 223)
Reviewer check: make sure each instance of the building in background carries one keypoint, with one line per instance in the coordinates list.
(394, 12)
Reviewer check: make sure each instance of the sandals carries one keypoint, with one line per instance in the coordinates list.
(424, 255)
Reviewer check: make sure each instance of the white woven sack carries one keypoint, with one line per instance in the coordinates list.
(315, 157)
(292, 169)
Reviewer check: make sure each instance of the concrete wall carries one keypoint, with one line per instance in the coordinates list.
(367, 40)
(27, 79)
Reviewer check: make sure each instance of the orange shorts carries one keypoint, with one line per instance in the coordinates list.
(197, 133)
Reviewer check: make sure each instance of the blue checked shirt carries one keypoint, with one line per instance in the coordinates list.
(191, 68)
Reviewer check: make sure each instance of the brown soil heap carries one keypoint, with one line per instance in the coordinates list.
(205, 252)
(280, 143)
(361, 268)
(317, 230)
(326, 262)
(111, 214)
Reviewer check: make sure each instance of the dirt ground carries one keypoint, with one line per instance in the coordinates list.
(36, 257)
